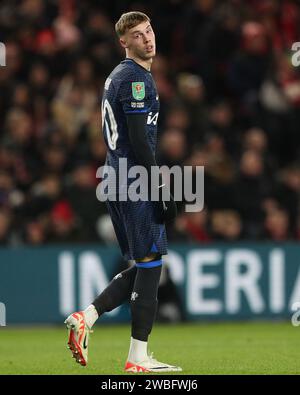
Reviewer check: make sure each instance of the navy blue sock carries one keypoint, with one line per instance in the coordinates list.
(117, 291)
(143, 302)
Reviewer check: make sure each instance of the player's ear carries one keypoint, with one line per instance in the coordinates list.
(123, 43)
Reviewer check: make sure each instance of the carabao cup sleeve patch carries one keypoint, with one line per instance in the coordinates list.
(138, 90)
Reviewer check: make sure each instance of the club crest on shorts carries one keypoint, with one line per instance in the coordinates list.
(138, 90)
(134, 296)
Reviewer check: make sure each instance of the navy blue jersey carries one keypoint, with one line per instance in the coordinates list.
(129, 89)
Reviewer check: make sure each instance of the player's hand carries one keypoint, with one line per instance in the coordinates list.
(167, 205)
(168, 209)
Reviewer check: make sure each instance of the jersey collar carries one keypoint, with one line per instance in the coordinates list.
(133, 61)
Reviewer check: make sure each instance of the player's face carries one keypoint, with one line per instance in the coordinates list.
(140, 41)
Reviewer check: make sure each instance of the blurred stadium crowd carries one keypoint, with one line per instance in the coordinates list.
(230, 100)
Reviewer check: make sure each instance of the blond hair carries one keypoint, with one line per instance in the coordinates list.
(129, 20)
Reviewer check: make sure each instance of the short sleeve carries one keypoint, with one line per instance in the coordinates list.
(133, 94)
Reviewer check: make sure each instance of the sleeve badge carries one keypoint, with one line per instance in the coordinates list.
(138, 90)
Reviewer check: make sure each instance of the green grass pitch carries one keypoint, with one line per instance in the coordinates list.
(210, 348)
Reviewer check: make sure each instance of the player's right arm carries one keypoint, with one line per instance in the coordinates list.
(136, 112)
(144, 156)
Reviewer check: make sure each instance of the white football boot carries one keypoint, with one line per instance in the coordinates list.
(79, 334)
(150, 365)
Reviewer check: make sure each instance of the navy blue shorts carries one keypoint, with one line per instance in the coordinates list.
(137, 228)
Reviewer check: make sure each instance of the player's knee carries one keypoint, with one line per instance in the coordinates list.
(149, 261)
